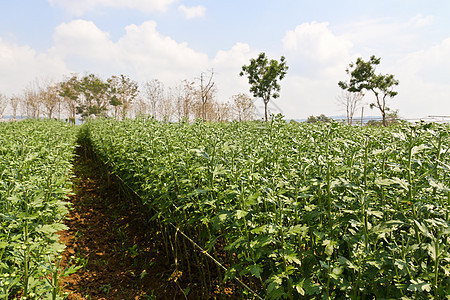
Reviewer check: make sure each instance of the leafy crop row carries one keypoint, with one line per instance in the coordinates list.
(35, 166)
(300, 210)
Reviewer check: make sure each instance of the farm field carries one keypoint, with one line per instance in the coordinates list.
(290, 210)
(294, 210)
(35, 170)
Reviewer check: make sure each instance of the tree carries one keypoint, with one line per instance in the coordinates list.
(392, 117)
(363, 78)
(184, 94)
(3, 104)
(206, 90)
(50, 98)
(243, 107)
(154, 94)
(321, 118)
(94, 98)
(31, 100)
(14, 101)
(69, 90)
(122, 92)
(263, 76)
(351, 101)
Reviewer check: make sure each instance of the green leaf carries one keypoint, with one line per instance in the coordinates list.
(255, 270)
(291, 258)
(395, 180)
(329, 246)
(423, 229)
(298, 229)
(417, 149)
(419, 286)
(241, 214)
(52, 228)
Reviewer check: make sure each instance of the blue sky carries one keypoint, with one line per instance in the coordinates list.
(174, 40)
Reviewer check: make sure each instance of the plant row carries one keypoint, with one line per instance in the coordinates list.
(35, 173)
(297, 210)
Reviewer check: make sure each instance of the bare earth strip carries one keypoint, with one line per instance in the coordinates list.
(120, 256)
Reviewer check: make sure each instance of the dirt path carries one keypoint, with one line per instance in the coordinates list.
(120, 256)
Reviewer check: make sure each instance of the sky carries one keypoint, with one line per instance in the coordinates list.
(173, 40)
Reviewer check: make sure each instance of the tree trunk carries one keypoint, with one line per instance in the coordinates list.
(265, 111)
(383, 114)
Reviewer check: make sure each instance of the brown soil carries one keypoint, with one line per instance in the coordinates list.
(119, 252)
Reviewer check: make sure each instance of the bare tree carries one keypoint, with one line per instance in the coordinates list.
(3, 104)
(206, 90)
(351, 101)
(154, 95)
(243, 107)
(184, 94)
(14, 101)
(223, 111)
(31, 100)
(140, 106)
(167, 107)
(50, 99)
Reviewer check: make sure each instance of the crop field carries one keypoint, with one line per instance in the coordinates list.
(35, 166)
(294, 210)
(279, 210)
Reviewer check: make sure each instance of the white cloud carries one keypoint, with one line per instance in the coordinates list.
(316, 41)
(422, 21)
(227, 64)
(192, 12)
(304, 96)
(315, 49)
(20, 64)
(78, 7)
(141, 53)
(149, 52)
(423, 76)
(84, 39)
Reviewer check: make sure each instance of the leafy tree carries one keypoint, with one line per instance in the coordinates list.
(321, 118)
(69, 90)
(122, 92)
(94, 92)
(363, 78)
(263, 76)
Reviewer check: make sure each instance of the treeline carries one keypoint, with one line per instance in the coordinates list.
(119, 97)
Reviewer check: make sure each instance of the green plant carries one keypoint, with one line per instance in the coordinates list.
(299, 210)
(35, 166)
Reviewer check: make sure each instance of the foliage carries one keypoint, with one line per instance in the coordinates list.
(35, 164)
(321, 118)
(391, 119)
(121, 93)
(94, 100)
(363, 78)
(302, 210)
(263, 76)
